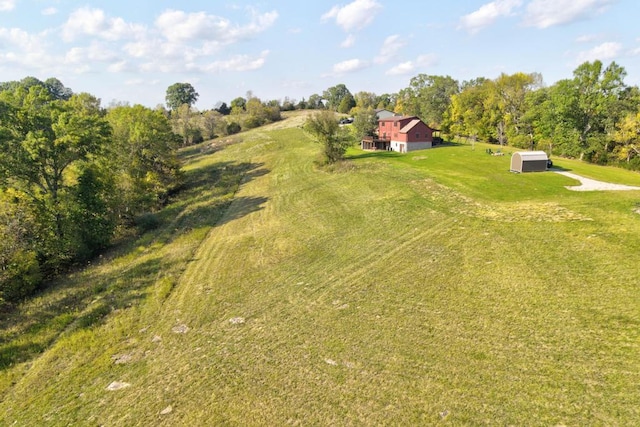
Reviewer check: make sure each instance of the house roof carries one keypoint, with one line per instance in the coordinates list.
(397, 118)
(410, 125)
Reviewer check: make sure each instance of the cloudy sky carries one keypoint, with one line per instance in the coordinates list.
(133, 50)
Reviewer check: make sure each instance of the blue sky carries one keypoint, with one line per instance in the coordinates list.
(132, 51)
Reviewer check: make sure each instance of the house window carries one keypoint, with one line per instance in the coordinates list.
(417, 136)
(395, 124)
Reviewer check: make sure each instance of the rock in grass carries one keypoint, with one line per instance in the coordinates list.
(180, 329)
(166, 410)
(237, 320)
(117, 385)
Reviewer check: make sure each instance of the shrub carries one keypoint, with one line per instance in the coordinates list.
(20, 276)
(232, 128)
(147, 222)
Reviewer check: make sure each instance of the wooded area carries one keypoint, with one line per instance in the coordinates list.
(75, 175)
(72, 175)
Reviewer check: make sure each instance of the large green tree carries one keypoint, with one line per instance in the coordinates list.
(238, 105)
(552, 113)
(627, 136)
(43, 144)
(599, 90)
(144, 157)
(365, 123)
(366, 100)
(315, 102)
(324, 127)
(346, 104)
(428, 97)
(334, 96)
(186, 123)
(468, 114)
(179, 94)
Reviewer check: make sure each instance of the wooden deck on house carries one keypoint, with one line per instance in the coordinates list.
(371, 143)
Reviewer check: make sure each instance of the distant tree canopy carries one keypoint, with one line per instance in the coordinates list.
(583, 117)
(427, 97)
(179, 94)
(238, 105)
(347, 103)
(335, 96)
(53, 86)
(223, 109)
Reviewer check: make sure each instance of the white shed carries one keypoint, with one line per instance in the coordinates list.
(529, 161)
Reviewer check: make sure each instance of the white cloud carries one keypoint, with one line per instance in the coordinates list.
(603, 52)
(488, 14)
(141, 82)
(636, 51)
(49, 11)
(192, 63)
(120, 67)
(411, 66)
(389, 49)
(96, 52)
(140, 48)
(236, 63)
(20, 39)
(547, 13)
(93, 22)
(187, 41)
(586, 38)
(7, 5)
(24, 50)
(349, 41)
(402, 68)
(179, 26)
(349, 66)
(427, 60)
(354, 16)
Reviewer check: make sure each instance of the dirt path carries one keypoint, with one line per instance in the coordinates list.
(587, 184)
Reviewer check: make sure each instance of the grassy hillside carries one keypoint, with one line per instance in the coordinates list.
(394, 289)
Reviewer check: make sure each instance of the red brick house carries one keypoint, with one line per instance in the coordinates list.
(401, 134)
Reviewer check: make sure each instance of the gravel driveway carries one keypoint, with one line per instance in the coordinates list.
(587, 184)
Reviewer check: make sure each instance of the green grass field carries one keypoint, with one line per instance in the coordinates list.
(426, 288)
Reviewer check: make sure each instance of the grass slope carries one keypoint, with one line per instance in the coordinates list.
(394, 289)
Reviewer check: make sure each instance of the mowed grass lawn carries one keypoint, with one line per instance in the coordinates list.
(426, 288)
